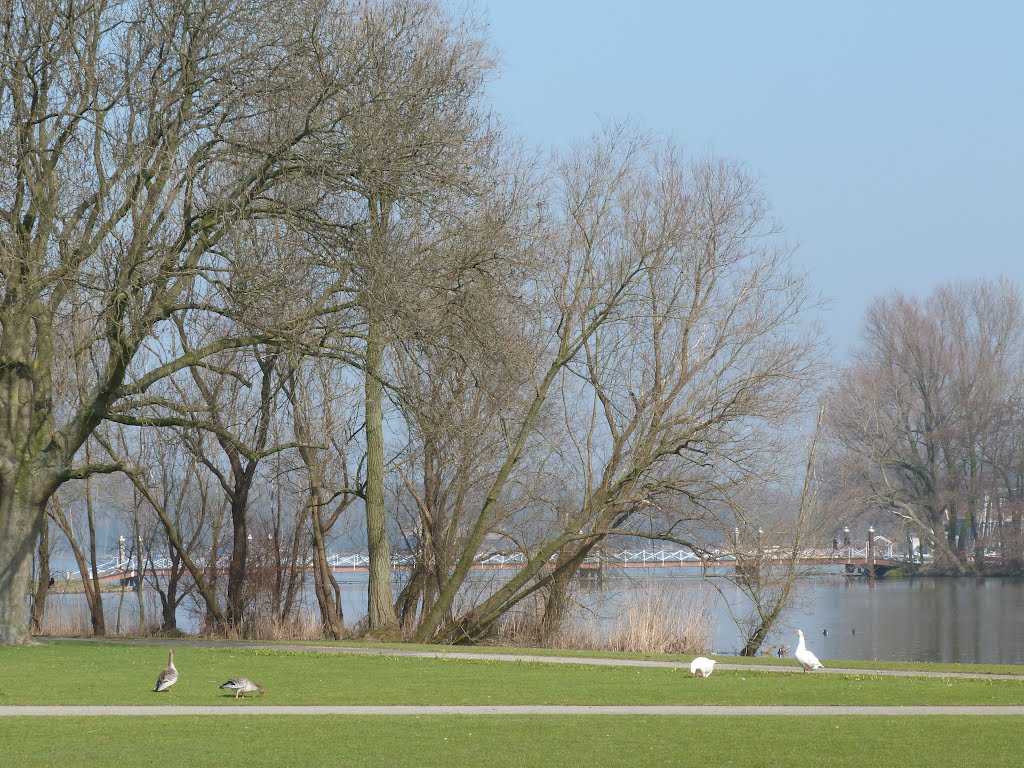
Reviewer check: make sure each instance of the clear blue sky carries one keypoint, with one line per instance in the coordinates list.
(889, 136)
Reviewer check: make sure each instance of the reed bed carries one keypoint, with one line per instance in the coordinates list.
(670, 619)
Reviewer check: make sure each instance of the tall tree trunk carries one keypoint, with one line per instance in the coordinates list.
(140, 562)
(169, 601)
(979, 543)
(1016, 546)
(568, 565)
(277, 564)
(555, 605)
(407, 604)
(211, 575)
(381, 617)
(236, 567)
(295, 574)
(20, 526)
(324, 584)
(42, 579)
(757, 637)
(99, 623)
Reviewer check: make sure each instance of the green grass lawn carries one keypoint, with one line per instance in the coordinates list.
(98, 673)
(771, 661)
(500, 742)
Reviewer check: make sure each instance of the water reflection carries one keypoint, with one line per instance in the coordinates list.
(964, 620)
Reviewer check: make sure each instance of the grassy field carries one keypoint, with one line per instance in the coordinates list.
(511, 742)
(88, 673)
(96, 673)
(771, 661)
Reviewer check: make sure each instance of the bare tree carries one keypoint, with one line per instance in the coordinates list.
(672, 324)
(417, 158)
(202, 191)
(133, 136)
(914, 418)
(1004, 507)
(42, 586)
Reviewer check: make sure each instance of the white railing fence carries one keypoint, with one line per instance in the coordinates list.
(611, 558)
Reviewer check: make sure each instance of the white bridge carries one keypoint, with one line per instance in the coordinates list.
(114, 568)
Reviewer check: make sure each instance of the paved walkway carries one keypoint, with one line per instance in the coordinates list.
(533, 659)
(661, 711)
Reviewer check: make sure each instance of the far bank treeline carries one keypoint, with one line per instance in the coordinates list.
(274, 277)
(927, 426)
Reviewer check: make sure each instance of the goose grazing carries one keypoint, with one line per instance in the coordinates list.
(168, 676)
(242, 686)
(807, 659)
(702, 667)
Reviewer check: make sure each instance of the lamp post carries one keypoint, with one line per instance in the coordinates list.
(122, 561)
(139, 568)
(871, 555)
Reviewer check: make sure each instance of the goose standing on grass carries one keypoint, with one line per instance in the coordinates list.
(807, 659)
(242, 686)
(702, 667)
(168, 676)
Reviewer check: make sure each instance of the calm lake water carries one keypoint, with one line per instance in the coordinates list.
(966, 620)
(962, 620)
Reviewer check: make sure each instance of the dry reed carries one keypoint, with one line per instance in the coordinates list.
(62, 619)
(656, 620)
(305, 626)
(665, 621)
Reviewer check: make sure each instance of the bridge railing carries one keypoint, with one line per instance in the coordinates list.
(624, 557)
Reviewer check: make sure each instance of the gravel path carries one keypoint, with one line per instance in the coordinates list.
(662, 711)
(537, 659)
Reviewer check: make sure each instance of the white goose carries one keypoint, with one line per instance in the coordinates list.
(242, 686)
(807, 659)
(168, 676)
(702, 667)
